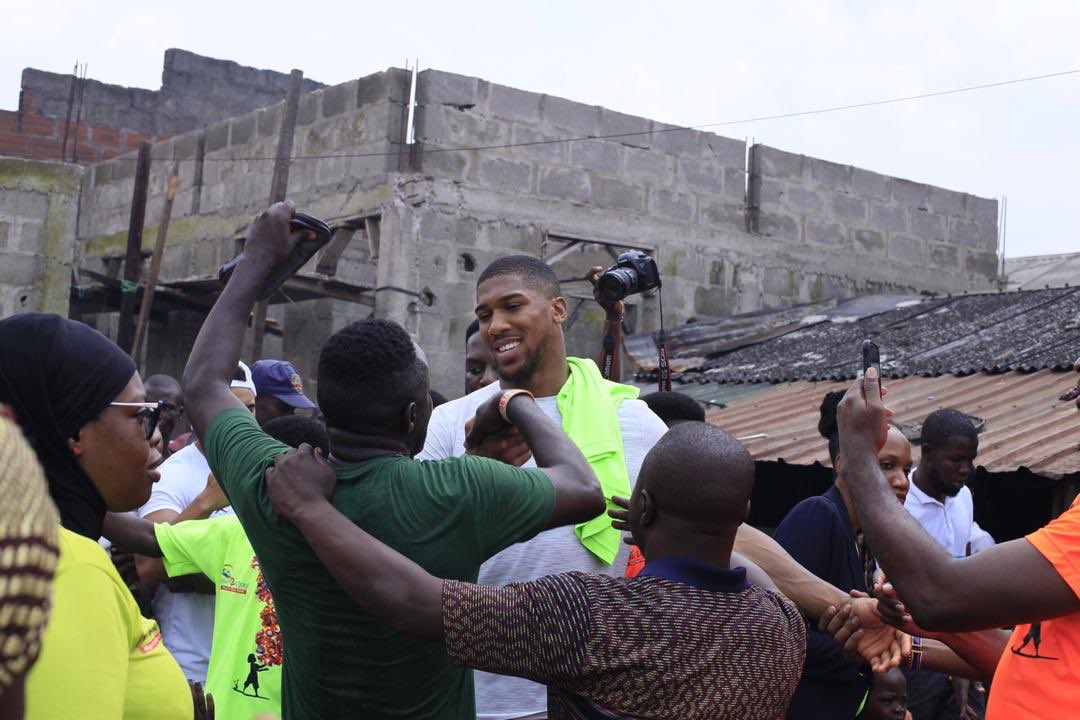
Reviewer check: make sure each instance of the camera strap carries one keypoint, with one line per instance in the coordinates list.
(663, 369)
(607, 358)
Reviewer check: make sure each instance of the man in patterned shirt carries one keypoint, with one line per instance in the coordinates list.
(688, 638)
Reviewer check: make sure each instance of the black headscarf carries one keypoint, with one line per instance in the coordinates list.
(58, 375)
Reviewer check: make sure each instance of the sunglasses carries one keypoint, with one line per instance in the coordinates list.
(149, 414)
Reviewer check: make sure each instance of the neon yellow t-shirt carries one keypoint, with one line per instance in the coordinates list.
(100, 659)
(244, 675)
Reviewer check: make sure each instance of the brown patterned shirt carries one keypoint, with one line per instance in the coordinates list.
(682, 640)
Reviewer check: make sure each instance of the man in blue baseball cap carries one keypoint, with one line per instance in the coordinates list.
(280, 390)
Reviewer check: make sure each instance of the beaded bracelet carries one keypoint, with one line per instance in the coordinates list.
(915, 658)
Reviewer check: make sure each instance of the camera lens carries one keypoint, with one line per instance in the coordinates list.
(617, 283)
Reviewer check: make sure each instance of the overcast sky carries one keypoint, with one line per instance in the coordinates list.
(684, 63)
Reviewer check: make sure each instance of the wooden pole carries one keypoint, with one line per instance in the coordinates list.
(125, 334)
(279, 185)
(155, 264)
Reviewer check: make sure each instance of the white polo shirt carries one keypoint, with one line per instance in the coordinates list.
(950, 523)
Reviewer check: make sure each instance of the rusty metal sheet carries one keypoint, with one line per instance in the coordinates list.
(1026, 426)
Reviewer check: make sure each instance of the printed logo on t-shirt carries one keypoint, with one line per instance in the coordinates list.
(268, 647)
(230, 583)
(1029, 646)
(149, 639)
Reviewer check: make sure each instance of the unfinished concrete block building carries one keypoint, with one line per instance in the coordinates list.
(495, 170)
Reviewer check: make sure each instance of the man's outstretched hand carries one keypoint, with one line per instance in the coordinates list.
(203, 701)
(858, 629)
(620, 517)
(488, 435)
(299, 479)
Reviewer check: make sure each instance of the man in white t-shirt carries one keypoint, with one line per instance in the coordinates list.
(940, 500)
(939, 497)
(184, 608)
(521, 311)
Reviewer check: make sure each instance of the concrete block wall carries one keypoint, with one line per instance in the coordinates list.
(618, 162)
(114, 119)
(38, 204)
(346, 140)
(940, 239)
(810, 230)
(195, 91)
(225, 172)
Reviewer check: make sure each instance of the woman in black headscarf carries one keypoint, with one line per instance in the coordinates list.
(81, 404)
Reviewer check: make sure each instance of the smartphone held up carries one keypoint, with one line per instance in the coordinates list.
(871, 358)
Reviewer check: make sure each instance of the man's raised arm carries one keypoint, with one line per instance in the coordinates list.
(1008, 584)
(212, 363)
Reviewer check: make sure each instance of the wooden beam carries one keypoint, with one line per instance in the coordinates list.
(279, 185)
(125, 333)
(328, 258)
(155, 263)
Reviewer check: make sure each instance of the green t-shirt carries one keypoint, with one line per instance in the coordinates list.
(449, 516)
(245, 659)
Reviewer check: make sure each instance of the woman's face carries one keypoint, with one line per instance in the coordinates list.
(113, 450)
(895, 461)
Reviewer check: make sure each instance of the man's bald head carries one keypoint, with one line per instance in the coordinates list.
(699, 477)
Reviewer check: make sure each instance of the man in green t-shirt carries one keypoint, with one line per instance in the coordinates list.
(448, 516)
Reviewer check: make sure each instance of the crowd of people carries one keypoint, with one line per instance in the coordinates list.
(548, 545)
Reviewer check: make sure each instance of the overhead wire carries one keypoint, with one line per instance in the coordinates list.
(674, 128)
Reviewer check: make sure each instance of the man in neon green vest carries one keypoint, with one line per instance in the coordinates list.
(521, 312)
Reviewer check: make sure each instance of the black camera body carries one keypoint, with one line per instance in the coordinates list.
(633, 272)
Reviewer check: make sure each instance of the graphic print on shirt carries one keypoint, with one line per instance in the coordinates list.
(1034, 638)
(230, 583)
(268, 647)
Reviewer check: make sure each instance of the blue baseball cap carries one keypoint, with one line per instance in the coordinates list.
(280, 379)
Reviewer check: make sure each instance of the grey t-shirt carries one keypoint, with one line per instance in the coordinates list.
(500, 697)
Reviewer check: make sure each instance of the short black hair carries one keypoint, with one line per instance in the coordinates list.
(294, 430)
(368, 372)
(942, 425)
(534, 271)
(674, 406)
(701, 474)
(474, 327)
(828, 426)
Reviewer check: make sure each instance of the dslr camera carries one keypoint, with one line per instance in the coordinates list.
(633, 272)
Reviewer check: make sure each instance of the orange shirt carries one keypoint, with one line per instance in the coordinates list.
(635, 563)
(1039, 672)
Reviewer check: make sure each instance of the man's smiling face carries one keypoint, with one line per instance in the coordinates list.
(518, 322)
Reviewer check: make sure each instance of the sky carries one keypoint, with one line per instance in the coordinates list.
(678, 62)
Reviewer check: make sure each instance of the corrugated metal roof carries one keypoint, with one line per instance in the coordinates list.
(1043, 271)
(963, 334)
(1026, 426)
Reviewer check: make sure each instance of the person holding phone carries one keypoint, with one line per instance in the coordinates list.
(822, 534)
(1032, 583)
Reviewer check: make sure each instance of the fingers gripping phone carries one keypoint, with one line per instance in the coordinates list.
(871, 358)
(313, 234)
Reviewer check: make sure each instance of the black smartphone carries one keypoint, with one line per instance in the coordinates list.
(313, 234)
(871, 358)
